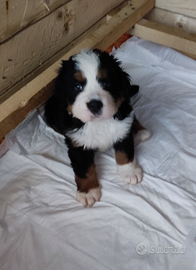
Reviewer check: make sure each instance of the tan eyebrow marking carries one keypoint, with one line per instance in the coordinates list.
(102, 73)
(80, 77)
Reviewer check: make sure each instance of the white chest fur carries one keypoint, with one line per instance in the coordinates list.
(101, 134)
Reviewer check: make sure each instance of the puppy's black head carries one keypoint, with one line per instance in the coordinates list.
(91, 86)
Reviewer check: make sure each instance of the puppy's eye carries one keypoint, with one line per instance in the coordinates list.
(105, 84)
(78, 87)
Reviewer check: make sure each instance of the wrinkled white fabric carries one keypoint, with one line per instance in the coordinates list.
(42, 226)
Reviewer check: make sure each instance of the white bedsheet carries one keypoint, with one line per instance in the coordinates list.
(148, 226)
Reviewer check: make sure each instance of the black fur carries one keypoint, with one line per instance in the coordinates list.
(126, 145)
(118, 80)
(124, 110)
(81, 159)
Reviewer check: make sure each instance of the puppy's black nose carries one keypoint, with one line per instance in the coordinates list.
(95, 106)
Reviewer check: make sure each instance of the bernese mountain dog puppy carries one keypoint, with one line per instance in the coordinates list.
(91, 107)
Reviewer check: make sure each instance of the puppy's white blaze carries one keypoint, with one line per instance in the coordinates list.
(88, 64)
(88, 199)
(101, 134)
(80, 110)
(130, 173)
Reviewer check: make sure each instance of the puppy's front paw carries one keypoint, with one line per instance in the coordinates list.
(142, 135)
(89, 198)
(130, 173)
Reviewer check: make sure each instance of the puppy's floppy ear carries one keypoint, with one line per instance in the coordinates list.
(134, 90)
(128, 90)
(55, 107)
(59, 89)
(64, 64)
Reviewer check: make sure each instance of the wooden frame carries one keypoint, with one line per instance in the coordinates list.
(137, 17)
(177, 35)
(31, 48)
(37, 91)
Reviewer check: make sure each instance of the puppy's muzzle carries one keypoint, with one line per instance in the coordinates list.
(95, 106)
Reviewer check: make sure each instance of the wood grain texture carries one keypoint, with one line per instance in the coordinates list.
(15, 14)
(17, 107)
(185, 7)
(172, 19)
(30, 48)
(51, 61)
(121, 22)
(173, 37)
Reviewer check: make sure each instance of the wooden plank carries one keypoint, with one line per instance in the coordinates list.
(23, 110)
(17, 14)
(51, 61)
(127, 16)
(166, 35)
(116, 10)
(187, 7)
(172, 19)
(30, 48)
(17, 107)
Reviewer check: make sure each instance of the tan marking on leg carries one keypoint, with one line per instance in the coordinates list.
(140, 133)
(88, 183)
(121, 158)
(137, 126)
(131, 173)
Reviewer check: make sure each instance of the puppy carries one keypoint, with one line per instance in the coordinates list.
(91, 108)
